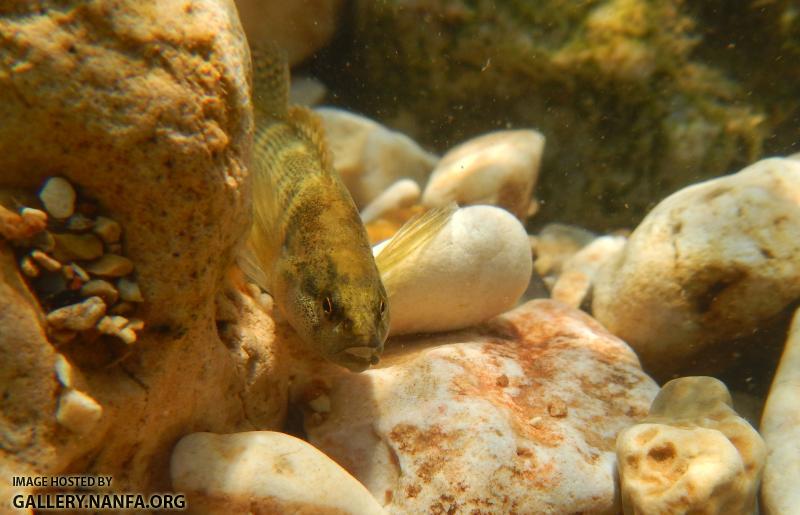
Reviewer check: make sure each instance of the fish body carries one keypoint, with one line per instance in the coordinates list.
(308, 247)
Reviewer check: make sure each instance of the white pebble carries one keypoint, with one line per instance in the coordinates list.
(58, 197)
(78, 412)
(64, 371)
(476, 267)
(403, 193)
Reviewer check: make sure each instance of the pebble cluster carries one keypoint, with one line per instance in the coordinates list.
(75, 265)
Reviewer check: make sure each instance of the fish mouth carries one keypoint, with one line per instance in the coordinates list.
(358, 359)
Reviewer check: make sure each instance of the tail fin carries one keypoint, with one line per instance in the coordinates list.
(413, 235)
(270, 82)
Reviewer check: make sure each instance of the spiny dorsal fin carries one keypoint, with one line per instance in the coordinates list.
(413, 235)
(309, 125)
(270, 81)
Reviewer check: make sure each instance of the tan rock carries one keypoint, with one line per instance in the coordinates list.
(264, 472)
(100, 288)
(780, 427)
(498, 169)
(553, 247)
(78, 317)
(299, 28)
(14, 226)
(78, 412)
(107, 229)
(578, 273)
(519, 416)
(144, 107)
(58, 197)
(45, 261)
(77, 247)
(28, 267)
(64, 371)
(403, 193)
(79, 223)
(692, 454)
(712, 262)
(129, 291)
(110, 265)
(369, 157)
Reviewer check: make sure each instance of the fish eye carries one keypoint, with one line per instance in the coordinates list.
(382, 307)
(327, 306)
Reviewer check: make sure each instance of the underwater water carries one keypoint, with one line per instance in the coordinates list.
(400, 256)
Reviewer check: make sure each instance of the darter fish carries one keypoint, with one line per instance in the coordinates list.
(308, 247)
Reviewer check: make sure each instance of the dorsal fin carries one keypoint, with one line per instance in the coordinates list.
(413, 235)
(270, 82)
(309, 125)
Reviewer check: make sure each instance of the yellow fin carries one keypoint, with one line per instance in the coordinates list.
(309, 125)
(270, 82)
(413, 235)
(249, 264)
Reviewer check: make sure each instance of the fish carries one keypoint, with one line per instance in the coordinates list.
(308, 246)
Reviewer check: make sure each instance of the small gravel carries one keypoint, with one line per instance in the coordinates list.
(110, 265)
(107, 229)
(45, 261)
(83, 247)
(78, 317)
(100, 288)
(129, 291)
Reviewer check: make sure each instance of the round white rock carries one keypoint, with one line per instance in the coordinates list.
(476, 267)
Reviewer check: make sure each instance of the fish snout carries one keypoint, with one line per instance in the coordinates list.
(359, 358)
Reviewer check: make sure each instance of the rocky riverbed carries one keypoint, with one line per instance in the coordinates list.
(530, 368)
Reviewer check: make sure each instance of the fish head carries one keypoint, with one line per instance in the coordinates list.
(345, 318)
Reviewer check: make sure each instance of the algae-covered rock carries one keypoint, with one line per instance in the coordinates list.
(143, 106)
(692, 454)
(628, 115)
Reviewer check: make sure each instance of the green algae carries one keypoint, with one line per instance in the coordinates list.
(629, 113)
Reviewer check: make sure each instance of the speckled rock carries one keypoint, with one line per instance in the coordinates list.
(519, 416)
(578, 273)
(299, 28)
(404, 193)
(144, 107)
(264, 472)
(780, 427)
(476, 267)
(692, 454)
(369, 157)
(710, 263)
(499, 169)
